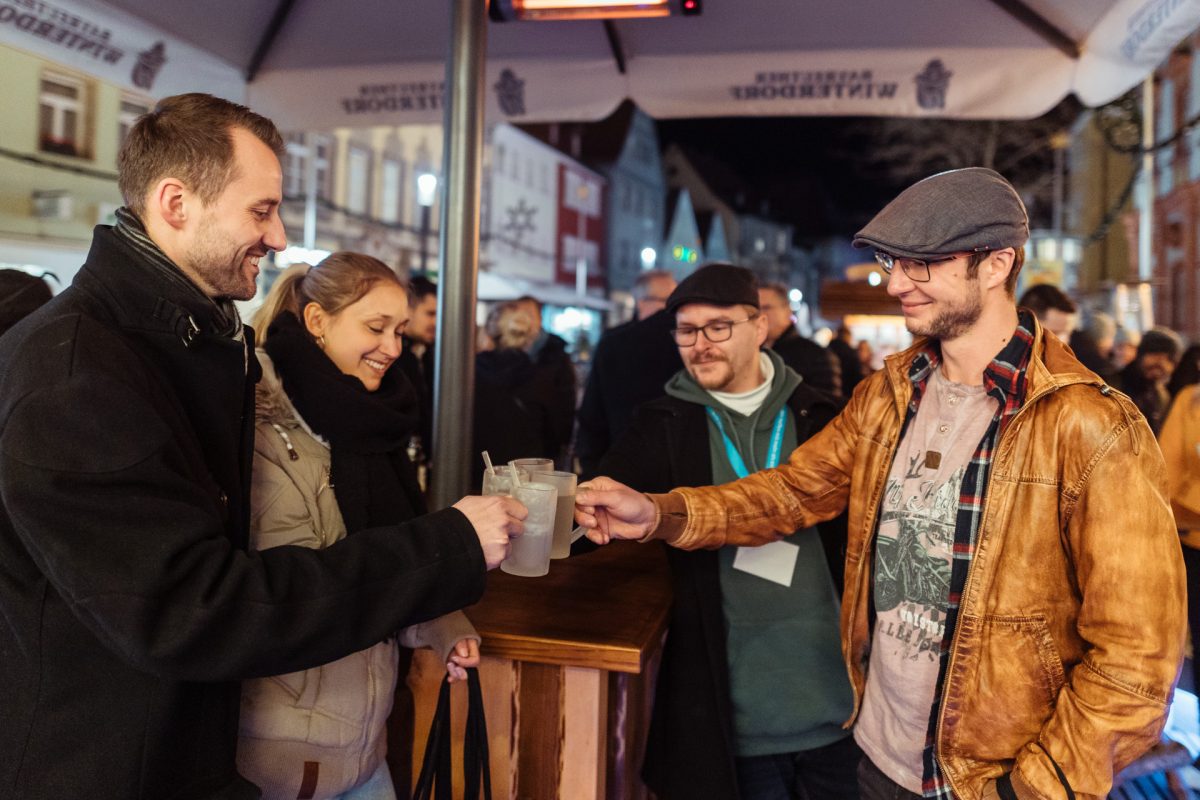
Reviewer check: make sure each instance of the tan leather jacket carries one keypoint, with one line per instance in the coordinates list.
(1072, 623)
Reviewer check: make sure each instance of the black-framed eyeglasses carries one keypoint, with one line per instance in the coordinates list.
(916, 269)
(719, 331)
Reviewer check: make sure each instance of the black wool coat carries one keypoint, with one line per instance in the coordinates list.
(691, 750)
(819, 368)
(631, 364)
(129, 605)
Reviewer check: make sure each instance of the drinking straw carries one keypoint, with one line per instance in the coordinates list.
(487, 462)
(516, 475)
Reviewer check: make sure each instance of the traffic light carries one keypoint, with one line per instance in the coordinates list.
(692, 8)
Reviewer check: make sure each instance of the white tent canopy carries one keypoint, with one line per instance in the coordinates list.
(319, 64)
(323, 64)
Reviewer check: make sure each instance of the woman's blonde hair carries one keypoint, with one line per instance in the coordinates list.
(339, 280)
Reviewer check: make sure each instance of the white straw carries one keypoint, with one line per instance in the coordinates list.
(487, 462)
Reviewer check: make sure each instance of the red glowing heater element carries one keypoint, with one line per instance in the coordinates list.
(515, 10)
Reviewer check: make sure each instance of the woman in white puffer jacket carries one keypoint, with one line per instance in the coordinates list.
(332, 421)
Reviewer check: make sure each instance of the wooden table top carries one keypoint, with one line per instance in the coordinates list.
(605, 610)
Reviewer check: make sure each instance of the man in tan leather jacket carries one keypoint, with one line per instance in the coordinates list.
(1014, 612)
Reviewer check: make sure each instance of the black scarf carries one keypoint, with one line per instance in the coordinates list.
(373, 480)
(225, 319)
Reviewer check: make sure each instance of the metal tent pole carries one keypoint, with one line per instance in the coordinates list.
(454, 381)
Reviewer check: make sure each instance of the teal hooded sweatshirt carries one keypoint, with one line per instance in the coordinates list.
(789, 686)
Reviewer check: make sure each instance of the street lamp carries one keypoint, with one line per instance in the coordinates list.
(426, 190)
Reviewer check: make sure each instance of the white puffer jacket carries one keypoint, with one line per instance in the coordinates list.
(335, 715)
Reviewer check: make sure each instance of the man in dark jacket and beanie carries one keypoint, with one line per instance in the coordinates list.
(129, 606)
(752, 692)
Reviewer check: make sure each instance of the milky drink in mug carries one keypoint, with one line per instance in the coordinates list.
(529, 553)
(497, 482)
(564, 516)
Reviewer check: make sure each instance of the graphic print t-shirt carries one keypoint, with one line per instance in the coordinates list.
(913, 550)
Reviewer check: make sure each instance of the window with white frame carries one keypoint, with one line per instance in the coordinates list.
(358, 180)
(295, 162)
(132, 107)
(62, 114)
(391, 190)
(323, 147)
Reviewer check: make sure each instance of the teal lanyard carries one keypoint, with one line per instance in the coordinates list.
(773, 452)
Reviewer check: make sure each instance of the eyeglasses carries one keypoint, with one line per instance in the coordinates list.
(718, 331)
(915, 268)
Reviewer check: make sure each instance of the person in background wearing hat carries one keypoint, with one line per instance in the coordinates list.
(1145, 378)
(752, 693)
(20, 295)
(1014, 613)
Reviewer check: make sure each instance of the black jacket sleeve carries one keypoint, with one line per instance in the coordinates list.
(111, 512)
(592, 434)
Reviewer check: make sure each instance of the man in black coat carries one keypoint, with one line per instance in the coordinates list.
(555, 374)
(630, 366)
(416, 359)
(752, 692)
(819, 368)
(129, 605)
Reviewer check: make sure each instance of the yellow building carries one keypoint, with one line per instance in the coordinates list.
(60, 131)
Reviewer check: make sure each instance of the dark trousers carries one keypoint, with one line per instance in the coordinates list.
(874, 785)
(823, 773)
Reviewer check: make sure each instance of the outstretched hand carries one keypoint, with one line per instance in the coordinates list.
(611, 510)
(496, 520)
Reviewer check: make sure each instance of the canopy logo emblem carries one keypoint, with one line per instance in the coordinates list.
(510, 93)
(932, 84)
(148, 64)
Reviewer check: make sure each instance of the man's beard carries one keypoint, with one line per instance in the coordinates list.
(714, 382)
(212, 258)
(953, 321)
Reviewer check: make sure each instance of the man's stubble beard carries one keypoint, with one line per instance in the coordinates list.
(210, 258)
(954, 321)
(723, 381)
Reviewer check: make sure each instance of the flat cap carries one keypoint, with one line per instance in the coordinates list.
(717, 284)
(960, 211)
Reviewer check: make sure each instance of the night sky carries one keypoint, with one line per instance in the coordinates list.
(830, 175)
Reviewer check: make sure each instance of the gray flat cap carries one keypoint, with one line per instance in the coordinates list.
(960, 211)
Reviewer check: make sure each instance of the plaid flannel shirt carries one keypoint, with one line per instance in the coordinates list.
(1004, 379)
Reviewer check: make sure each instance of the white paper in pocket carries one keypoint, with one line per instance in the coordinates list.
(775, 562)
